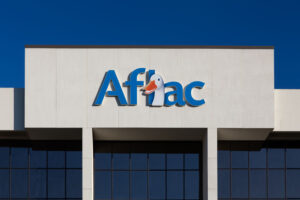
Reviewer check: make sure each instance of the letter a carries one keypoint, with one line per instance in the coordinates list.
(117, 92)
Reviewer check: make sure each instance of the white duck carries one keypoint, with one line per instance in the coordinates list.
(157, 86)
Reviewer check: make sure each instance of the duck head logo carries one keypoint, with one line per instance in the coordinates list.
(156, 86)
(155, 90)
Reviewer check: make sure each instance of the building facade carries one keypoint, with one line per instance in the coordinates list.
(149, 122)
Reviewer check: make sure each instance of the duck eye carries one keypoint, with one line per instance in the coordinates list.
(158, 79)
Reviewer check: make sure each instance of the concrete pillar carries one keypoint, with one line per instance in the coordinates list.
(87, 164)
(210, 165)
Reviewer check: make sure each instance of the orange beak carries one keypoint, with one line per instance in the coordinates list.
(151, 87)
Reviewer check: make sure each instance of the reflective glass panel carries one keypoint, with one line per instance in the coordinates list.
(192, 185)
(138, 161)
(223, 158)
(36, 170)
(258, 183)
(272, 173)
(4, 155)
(19, 157)
(139, 185)
(175, 161)
(292, 158)
(102, 184)
(156, 161)
(293, 183)
(74, 183)
(276, 158)
(38, 186)
(239, 159)
(147, 171)
(121, 185)
(175, 184)
(157, 184)
(258, 158)
(73, 159)
(4, 183)
(276, 186)
(121, 161)
(19, 183)
(239, 183)
(192, 161)
(56, 159)
(56, 183)
(38, 158)
(102, 160)
(224, 183)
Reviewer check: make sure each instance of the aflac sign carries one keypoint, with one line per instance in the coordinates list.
(155, 90)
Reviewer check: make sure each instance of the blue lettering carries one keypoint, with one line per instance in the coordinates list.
(177, 92)
(132, 83)
(117, 92)
(188, 93)
(155, 89)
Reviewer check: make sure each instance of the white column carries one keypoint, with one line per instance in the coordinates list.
(87, 164)
(210, 164)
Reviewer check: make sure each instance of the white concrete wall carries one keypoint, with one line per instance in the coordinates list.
(61, 85)
(210, 164)
(287, 110)
(87, 164)
(11, 109)
(7, 109)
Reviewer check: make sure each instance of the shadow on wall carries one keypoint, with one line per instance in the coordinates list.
(19, 109)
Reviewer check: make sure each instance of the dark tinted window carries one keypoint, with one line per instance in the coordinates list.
(40, 170)
(260, 171)
(139, 185)
(142, 170)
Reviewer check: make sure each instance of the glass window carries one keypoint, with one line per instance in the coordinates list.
(19, 157)
(239, 183)
(273, 172)
(258, 158)
(56, 183)
(73, 160)
(56, 159)
(224, 183)
(154, 171)
(139, 161)
(276, 186)
(239, 159)
(38, 186)
(175, 161)
(139, 185)
(157, 184)
(102, 185)
(258, 183)
(121, 161)
(224, 159)
(292, 158)
(156, 161)
(4, 183)
(293, 183)
(36, 170)
(175, 185)
(192, 185)
(191, 161)
(276, 158)
(121, 185)
(19, 183)
(4, 155)
(102, 160)
(73, 183)
(38, 158)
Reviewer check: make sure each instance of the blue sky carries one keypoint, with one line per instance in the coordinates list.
(156, 22)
